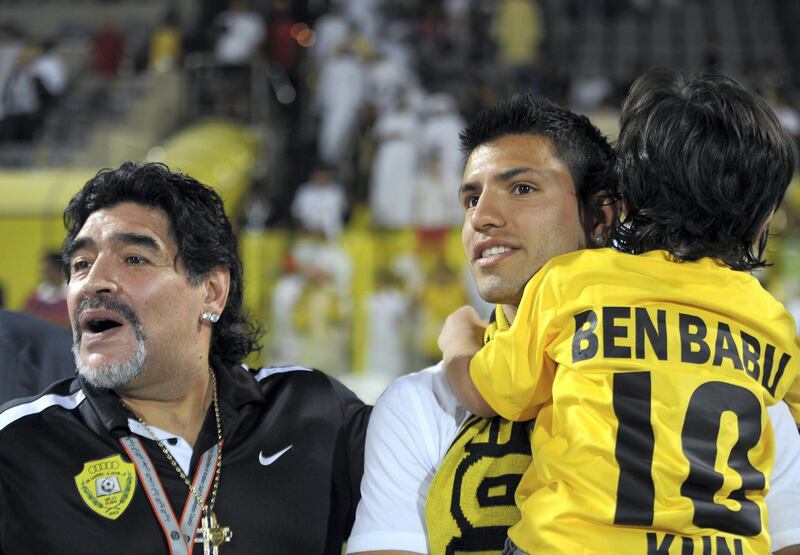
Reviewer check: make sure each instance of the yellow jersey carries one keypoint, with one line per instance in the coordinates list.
(648, 379)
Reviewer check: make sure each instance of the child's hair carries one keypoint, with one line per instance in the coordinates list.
(702, 164)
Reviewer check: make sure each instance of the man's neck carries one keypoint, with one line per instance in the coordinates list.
(510, 310)
(181, 413)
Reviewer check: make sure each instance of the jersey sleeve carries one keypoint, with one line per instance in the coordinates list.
(792, 397)
(783, 499)
(512, 371)
(400, 461)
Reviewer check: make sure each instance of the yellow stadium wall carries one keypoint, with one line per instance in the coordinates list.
(220, 154)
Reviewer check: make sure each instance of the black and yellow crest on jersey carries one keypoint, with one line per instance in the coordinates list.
(470, 504)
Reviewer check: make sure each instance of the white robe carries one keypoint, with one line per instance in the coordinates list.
(394, 171)
(340, 96)
(440, 134)
(332, 31)
(320, 207)
(386, 79)
(387, 348)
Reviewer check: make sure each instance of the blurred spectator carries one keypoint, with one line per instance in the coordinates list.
(324, 261)
(49, 301)
(387, 78)
(321, 316)
(11, 45)
(436, 207)
(440, 130)
(21, 104)
(518, 30)
(242, 31)
(286, 340)
(442, 294)
(282, 48)
(388, 312)
(50, 74)
(320, 204)
(257, 209)
(108, 46)
(457, 24)
(33, 354)
(366, 16)
(395, 43)
(166, 44)
(394, 171)
(339, 98)
(332, 30)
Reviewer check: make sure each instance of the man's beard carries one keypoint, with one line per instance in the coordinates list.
(114, 375)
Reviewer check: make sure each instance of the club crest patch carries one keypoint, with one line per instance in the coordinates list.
(107, 485)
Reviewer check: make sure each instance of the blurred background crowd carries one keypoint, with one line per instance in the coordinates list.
(331, 130)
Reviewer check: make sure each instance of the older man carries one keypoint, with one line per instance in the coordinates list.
(165, 443)
(437, 479)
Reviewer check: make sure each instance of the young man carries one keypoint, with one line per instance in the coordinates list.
(438, 480)
(165, 443)
(657, 435)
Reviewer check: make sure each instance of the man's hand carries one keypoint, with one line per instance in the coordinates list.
(460, 339)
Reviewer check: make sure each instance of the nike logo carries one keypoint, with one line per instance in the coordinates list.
(268, 460)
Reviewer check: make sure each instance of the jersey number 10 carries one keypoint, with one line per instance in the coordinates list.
(634, 454)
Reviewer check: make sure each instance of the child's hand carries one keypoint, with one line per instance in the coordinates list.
(462, 334)
(461, 338)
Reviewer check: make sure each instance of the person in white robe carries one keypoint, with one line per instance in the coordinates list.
(339, 99)
(442, 124)
(388, 309)
(394, 171)
(320, 204)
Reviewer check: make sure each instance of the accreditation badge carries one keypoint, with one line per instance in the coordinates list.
(107, 485)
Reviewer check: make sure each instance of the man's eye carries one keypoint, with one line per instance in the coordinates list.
(523, 189)
(135, 260)
(471, 201)
(79, 265)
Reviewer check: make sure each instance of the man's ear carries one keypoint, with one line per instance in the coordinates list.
(216, 284)
(603, 215)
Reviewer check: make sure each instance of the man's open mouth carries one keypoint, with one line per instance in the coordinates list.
(101, 325)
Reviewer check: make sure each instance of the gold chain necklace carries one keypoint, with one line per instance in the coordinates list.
(211, 531)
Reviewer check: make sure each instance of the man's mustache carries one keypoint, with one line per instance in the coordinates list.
(108, 303)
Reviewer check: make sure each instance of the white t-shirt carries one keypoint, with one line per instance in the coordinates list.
(415, 421)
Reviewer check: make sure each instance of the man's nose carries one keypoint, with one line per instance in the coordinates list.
(102, 277)
(488, 212)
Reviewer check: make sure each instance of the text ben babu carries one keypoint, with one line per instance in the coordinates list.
(630, 332)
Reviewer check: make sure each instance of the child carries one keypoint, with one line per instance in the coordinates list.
(649, 375)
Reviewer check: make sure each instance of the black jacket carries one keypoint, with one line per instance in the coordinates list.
(302, 502)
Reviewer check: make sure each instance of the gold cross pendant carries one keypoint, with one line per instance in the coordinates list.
(212, 535)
